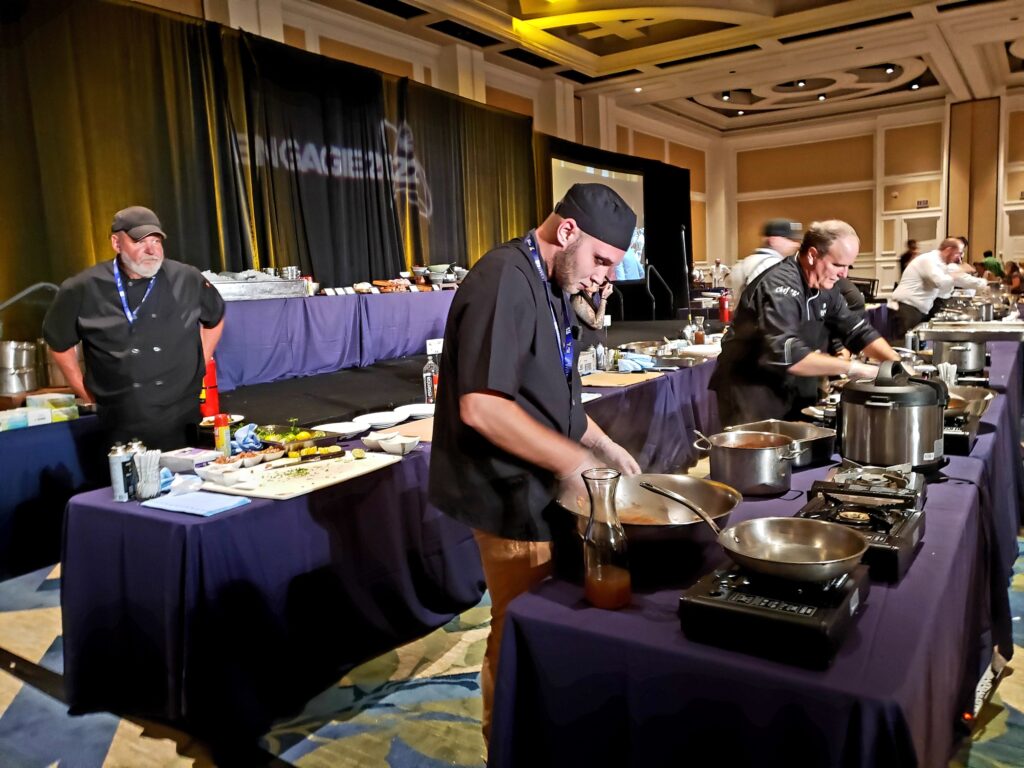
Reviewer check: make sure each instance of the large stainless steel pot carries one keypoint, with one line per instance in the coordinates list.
(666, 541)
(14, 381)
(968, 356)
(815, 444)
(17, 354)
(893, 419)
(786, 547)
(754, 463)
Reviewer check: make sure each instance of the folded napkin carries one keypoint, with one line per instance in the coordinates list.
(628, 366)
(645, 361)
(200, 503)
(245, 439)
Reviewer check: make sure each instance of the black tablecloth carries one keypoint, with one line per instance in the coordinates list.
(228, 622)
(582, 686)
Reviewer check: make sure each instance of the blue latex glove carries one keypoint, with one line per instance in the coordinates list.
(166, 477)
(245, 439)
(629, 366)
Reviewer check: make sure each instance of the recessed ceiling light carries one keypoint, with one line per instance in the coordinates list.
(637, 89)
(800, 83)
(726, 96)
(889, 70)
(733, 71)
(914, 86)
(741, 112)
(821, 97)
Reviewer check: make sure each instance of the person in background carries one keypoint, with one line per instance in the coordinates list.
(991, 263)
(631, 267)
(908, 255)
(510, 431)
(781, 240)
(858, 306)
(1013, 279)
(774, 352)
(147, 325)
(928, 277)
(718, 274)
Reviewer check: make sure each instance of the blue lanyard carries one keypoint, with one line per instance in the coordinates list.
(132, 316)
(565, 342)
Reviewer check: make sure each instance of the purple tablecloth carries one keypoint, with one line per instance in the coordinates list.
(274, 339)
(582, 686)
(225, 623)
(399, 324)
(655, 420)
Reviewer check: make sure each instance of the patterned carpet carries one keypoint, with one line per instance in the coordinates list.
(415, 707)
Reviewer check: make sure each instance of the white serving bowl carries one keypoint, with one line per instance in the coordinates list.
(273, 455)
(211, 473)
(375, 440)
(223, 466)
(252, 461)
(401, 445)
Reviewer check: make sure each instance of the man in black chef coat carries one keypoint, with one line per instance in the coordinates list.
(774, 351)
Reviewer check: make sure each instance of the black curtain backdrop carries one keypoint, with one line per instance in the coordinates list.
(666, 202)
(466, 181)
(319, 164)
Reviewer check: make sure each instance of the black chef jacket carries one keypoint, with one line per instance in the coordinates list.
(779, 321)
(145, 375)
(500, 337)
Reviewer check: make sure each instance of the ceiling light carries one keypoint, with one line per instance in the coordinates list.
(800, 83)
(726, 96)
(637, 89)
(889, 70)
(914, 86)
(741, 112)
(821, 97)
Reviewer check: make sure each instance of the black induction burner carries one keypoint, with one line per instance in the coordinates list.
(959, 434)
(801, 623)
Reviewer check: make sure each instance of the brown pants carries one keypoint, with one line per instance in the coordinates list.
(510, 568)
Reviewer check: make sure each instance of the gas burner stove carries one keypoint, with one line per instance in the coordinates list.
(883, 504)
(959, 435)
(801, 623)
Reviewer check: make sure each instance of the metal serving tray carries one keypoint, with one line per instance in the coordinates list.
(971, 331)
(816, 444)
(238, 290)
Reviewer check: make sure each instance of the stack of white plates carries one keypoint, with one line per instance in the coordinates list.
(344, 428)
(380, 419)
(416, 410)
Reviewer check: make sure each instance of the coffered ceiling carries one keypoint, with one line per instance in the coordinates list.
(733, 64)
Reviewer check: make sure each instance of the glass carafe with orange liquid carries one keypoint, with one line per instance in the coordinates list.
(605, 563)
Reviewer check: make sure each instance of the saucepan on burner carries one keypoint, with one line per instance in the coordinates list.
(754, 463)
(796, 548)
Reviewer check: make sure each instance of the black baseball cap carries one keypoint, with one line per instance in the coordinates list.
(600, 212)
(137, 222)
(792, 230)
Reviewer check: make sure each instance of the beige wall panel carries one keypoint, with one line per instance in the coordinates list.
(513, 102)
(889, 235)
(651, 147)
(1015, 138)
(806, 165)
(365, 58)
(857, 208)
(984, 170)
(908, 195)
(959, 192)
(1015, 186)
(186, 7)
(688, 157)
(622, 139)
(915, 149)
(699, 230)
(295, 36)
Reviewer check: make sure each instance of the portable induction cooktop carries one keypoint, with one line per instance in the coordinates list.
(801, 623)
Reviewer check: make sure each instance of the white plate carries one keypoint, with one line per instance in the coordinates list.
(344, 428)
(234, 418)
(379, 420)
(416, 410)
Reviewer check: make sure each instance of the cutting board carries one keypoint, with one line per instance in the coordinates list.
(603, 379)
(291, 480)
(421, 428)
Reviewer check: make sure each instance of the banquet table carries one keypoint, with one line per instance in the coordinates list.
(225, 623)
(627, 688)
(44, 466)
(274, 339)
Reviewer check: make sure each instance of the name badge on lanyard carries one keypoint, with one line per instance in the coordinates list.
(128, 313)
(565, 341)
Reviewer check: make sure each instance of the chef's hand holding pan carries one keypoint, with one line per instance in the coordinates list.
(615, 456)
(859, 370)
